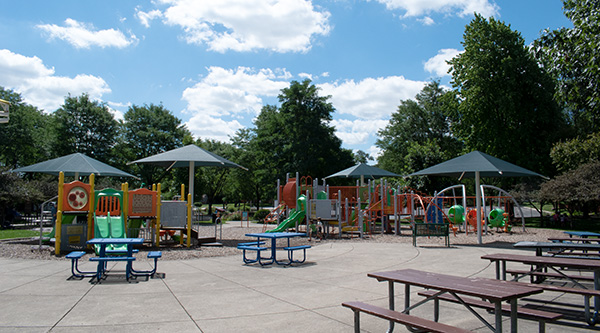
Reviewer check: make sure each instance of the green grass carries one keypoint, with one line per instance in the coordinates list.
(7, 234)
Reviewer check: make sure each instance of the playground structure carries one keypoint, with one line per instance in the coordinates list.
(84, 213)
(378, 208)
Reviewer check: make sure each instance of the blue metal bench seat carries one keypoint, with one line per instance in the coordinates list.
(76, 273)
(291, 250)
(258, 250)
(151, 255)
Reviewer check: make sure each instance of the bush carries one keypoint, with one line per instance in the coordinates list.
(261, 214)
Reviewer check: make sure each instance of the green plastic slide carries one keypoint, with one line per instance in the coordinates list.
(295, 216)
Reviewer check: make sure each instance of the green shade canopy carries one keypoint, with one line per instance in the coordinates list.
(467, 165)
(363, 170)
(476, 165)
(75, 165)
(189, 156)
(180, 157)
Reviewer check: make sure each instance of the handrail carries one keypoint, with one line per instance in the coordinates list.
(42, 218)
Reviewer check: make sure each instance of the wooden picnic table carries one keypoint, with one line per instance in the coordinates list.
(539, 263)
(493, 291)
(582, 234)
(559, 247)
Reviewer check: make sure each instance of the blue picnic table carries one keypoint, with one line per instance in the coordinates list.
(103, 257)
(274, 236)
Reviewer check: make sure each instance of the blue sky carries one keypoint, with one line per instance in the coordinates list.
(214, 64)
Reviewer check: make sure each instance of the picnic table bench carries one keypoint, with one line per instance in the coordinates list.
(75, 272)
(541, 263)
(398, 317)
(522, 312)
(492, 291)
(431, 230)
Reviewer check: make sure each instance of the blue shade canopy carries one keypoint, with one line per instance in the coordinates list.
(76, 164)
(363, 170)
(476, 161)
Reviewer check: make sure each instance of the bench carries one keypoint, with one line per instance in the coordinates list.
(258, 250)
(151, 255)
(119, 252)
(521, 273)
(102, 261)
(251, 244)
(429, 230)
(291, 250)
(526, 313)
(398, 317)
(75, 272)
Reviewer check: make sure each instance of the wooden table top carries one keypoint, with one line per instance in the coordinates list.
(549, 261)
(490, 289)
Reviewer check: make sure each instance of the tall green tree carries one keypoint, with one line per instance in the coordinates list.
(571, 154)
(418, 135)
(85, 126)
(311, 146)
(27, 137)
(149, 130)
(507, 108)
(296, 137)
(572, 56)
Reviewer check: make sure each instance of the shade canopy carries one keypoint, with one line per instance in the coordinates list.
(476, 165)
(75, 165)
(467, 165)
(363, 170)
(189, 156)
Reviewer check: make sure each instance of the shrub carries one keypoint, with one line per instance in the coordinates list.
(261, 214)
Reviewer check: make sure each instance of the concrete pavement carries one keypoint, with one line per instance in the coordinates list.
(221, 294)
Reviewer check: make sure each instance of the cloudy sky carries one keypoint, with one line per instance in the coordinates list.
(214, 64)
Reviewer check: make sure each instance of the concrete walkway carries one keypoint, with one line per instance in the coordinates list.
(222, 294)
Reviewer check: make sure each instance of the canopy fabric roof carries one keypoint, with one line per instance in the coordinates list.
(363, 170)
(476, 164)
(181, 157)
(476, 161)
(74, 165)
(189, 156)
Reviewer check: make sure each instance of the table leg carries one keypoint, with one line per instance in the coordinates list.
(498, 315)
(497, 262)
(392, 303)
(513, 315)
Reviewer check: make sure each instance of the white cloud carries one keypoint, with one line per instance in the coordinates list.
(209, 127)
(146, 17)
(418, 8)
(230, 92)
(438, 65)
(84, 36)
(242, 25)
(427, 20)
(357, 132)
(38, 85)
(371, 98)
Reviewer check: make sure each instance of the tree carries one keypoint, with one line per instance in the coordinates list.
(578, 189)
(572, 56)
(27, 136)
(506, 107)
(571, 154)
(149, 130)
(85, 126)
(361, 157)
(311, 147)
(418, 135)
(296, 137)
